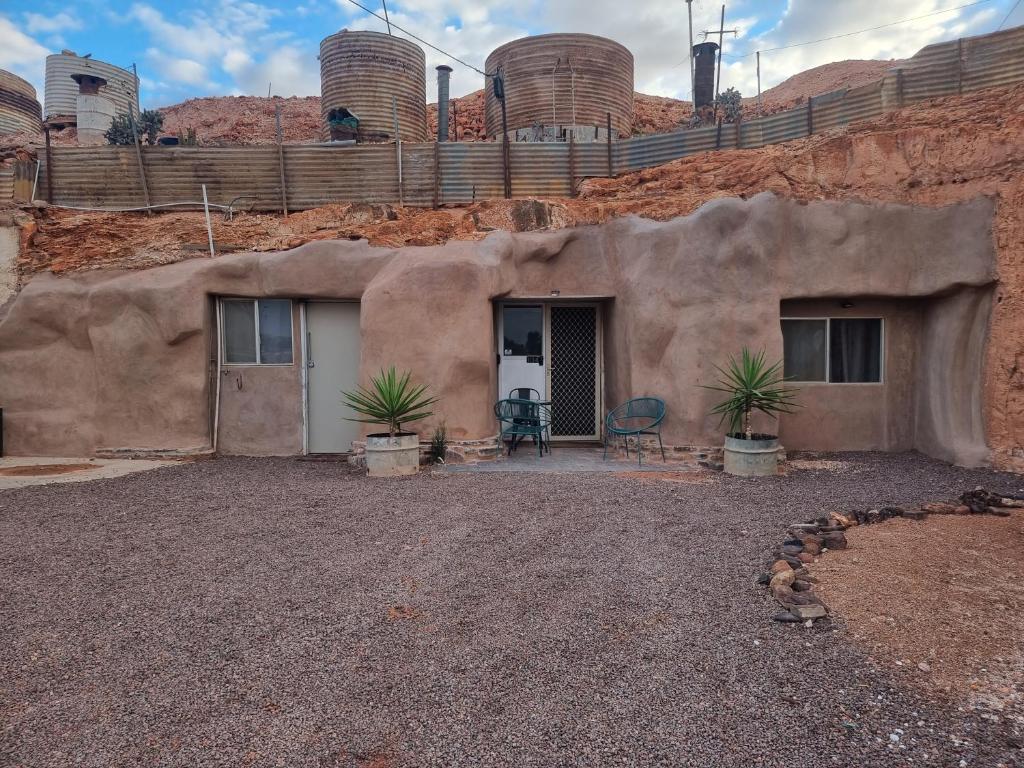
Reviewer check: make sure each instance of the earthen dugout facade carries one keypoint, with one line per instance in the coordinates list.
(126, 361)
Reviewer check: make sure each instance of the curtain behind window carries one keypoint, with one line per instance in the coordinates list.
(803, 350)
(855, 350)
(275, 331)
(239, 332)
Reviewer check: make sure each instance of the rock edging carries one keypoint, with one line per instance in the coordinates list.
(789, 581)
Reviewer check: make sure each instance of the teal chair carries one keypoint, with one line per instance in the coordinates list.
(523, 418)
(635, 418)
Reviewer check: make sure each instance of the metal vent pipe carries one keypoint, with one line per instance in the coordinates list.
(444, 73)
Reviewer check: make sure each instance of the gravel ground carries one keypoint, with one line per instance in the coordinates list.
(282, 612)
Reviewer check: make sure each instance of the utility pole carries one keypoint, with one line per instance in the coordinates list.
(758, 83)
(386, 19)
(689, 18)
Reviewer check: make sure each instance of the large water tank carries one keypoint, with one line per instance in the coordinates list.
(562, 80)
(362, 72)
(95, 114)
(19, 110)
(62, 91)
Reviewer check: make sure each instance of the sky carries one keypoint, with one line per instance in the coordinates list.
(192, 48)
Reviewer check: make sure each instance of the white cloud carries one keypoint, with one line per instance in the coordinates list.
(22, 55)
(37, 22)
(288, 71)
(179, 70)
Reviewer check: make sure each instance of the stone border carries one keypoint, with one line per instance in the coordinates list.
(790, 583)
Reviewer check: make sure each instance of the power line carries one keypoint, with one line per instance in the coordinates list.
(862, 31)
(1008, 15)
(392, 24)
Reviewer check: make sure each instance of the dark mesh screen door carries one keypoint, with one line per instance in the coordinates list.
(574, 372)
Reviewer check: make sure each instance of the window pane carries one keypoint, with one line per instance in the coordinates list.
(803, 345)
(275, 331)
(856, 350)
(239, 332)
(524, 330)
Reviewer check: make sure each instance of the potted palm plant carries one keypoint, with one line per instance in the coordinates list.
(393, 401)
(751, 384)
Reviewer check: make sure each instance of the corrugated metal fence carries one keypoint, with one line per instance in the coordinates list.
(436, 174)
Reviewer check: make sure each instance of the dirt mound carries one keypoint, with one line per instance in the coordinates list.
(814, 82)
(235, 120)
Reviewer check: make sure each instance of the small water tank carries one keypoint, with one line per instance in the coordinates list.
(704, 74)
(365, 74)
(95, 114)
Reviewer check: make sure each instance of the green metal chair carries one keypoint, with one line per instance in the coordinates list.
(523, 418)
(635, 418)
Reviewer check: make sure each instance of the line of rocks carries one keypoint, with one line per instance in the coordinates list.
(788, 579)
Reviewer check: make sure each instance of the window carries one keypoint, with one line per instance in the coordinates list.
(523, 330)
(257, 332)
(837, 350)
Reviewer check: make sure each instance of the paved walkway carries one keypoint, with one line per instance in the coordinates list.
(22, 471)
(573, 457)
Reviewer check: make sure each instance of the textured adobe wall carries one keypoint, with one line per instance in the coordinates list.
(108, 360)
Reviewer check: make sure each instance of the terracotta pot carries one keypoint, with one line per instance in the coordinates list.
(752, 458)
(388, 456)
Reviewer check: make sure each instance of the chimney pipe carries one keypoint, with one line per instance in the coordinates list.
(444, 73)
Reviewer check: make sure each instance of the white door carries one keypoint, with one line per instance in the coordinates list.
(332, 365)
(521, 349)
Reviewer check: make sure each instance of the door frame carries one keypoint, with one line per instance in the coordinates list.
(547, 303)
(304, 326)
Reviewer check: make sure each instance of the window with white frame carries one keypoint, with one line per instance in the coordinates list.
(835, 350)
(256, 331)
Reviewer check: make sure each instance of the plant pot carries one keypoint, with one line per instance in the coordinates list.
(388, 456)
(758, 457)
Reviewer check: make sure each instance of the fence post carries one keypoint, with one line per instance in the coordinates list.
(611, 170)
(810, 115)
(138, 157)
(718, 135)
(280, 159)
(899, 87)
(572, 163)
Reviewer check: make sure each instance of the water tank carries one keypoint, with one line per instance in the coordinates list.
(362, 72)
(19, 110)
(704, 74)
(562, 80)
(62, 91)
(95, 114)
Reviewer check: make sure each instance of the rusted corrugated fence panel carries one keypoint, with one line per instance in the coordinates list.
(92, 177)
(246, 177)
(471, 171)
(6, 185)
(840, 108)
(932, 72)
(993, 60)
(418, 174)
(645, 151)
(540, 170)
(784, 126)
(316, 174)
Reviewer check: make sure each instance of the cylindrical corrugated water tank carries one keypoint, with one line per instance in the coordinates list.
(704, 74)
(365, 73)
(444, 74)
(19, 110)
(62, 91)
(95, 114)
(562, 80)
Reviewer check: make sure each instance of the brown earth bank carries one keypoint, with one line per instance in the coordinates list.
(939, 602)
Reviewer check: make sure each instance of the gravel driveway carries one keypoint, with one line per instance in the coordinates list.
(283, 612)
